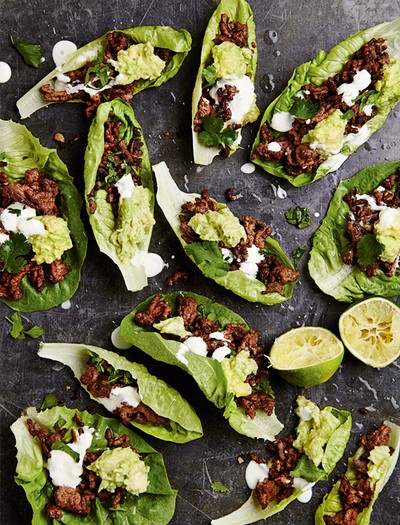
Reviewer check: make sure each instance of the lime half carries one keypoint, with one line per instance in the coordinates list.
(307, 356)
(370, 330)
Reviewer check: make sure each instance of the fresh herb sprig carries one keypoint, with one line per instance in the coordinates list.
(12, 252)
(216, 135)
(31, 53)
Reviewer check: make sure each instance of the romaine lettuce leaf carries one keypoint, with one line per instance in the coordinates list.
(183, 424)
(342, 281)
(317, 71)
(105, 227)
(170, 200)
(207, 372)
(156, 505)
(23, 151)
(251, 511)
(239, 11)
(332, 502)
(178, 41)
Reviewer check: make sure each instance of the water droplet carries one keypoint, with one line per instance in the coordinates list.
(267, 83)
(270, 37)
(276, 53)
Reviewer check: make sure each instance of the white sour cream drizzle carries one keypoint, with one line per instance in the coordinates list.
(350, 91)
(274, 146)
(152, 262)
(282, 121)
(119, 395)
(5, 72)
(66, 305)
(249, 266)
(305, 413)
(62, 50)
(118, 341)
(125, 186)
(247, 168)
(20, 218)
(3, 237)
(64, 471)
(242, 101)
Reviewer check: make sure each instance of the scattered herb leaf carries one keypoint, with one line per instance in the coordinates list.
(215, 135)
(12, 251)
(14, 211)
(298, 216)
(367, 98)
(348, 115)
(297, 254)
(210, 75)
(303, 108)
(101, 70)
(50, 401)
(368, 249)
(31, 53)
(60, 422)
(19, 332)
(307, 469)
(217, 487)
(206, 254)
(59, 445)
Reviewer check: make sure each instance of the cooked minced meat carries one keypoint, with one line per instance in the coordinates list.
(271, 270)
(361, 220)
(298, 157)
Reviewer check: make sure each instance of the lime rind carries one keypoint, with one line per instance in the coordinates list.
(370, 330)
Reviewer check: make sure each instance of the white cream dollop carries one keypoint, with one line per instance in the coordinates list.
(249, 266)
(255, 472)
(5, 72)
(119, 395)
(62, 50)
(18, 217)
(282, 121)
(242, 101)
(350, 91)
(125, 186)
(197, 345)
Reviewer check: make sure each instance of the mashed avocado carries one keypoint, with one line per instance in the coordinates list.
(378, 462)
(218, 226)
(134, 221)
(236, 370)
(121, 467)
(389, 86)
(138, 62)
(327, 136)
(172, 325)
(387, 231)
(50, 246)
(314, 431)
(230, 59)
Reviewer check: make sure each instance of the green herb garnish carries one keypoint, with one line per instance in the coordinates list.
(101, 70)
(303, 108)
(18, 330)
(12, 252)
(50, 401)
(297, 254)
(298, 216)
(348, 115)
(368, 249)
(206, 254)
(217, 487)
(216, 135)
(210, 75)
(59, 445)
(367, 98)
(31, 53)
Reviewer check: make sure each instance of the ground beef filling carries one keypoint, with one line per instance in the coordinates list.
(271, 270)
(41, 193)
(116, 41)
(236, 33)
(358, 496)
(236, 336)
(78, 500)
(115, 162)
(99, 385)
(297, 157)
(279, 483)
(361, 220)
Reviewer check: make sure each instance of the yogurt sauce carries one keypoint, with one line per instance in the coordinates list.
(62, 50)
(118, 341)
(5, 72)
(119, 395)
(242, 101)
(350, 91)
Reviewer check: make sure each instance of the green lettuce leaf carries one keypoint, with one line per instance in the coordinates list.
(170, 200)
(317, 71)
(103, 223)
(156, 505)
(183, 424)
(240, 11)
(332, 502)
(178, 41)
(207, 372)
(342, 281)
(22, 151)
(251, 511)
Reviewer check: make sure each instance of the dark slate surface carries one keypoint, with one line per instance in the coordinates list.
(289, 32)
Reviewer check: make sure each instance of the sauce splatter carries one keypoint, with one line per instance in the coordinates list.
(5, 72)
(62, 50)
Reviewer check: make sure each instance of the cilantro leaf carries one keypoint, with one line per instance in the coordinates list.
(49, 401)
(207, 256)
(31, 53)
(101, 70)
(368, 249)
(210, 75)
(303, 108)
(59, 445)
(18, 330)
(367, 98)
(298, 217)
(217, 487)
(215, 135)
(297, 254)
(307, 469)
(12, 251)
(348, 115)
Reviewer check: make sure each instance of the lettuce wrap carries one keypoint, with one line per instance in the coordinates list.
(175, 45)
(122, 227)
(156, 504)
(22, 153)
(381, 463)
(177, 420)
(346, 282)
(222, 376)
(324, 141)
(207, 255)
(227, 60)
(321, 439)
